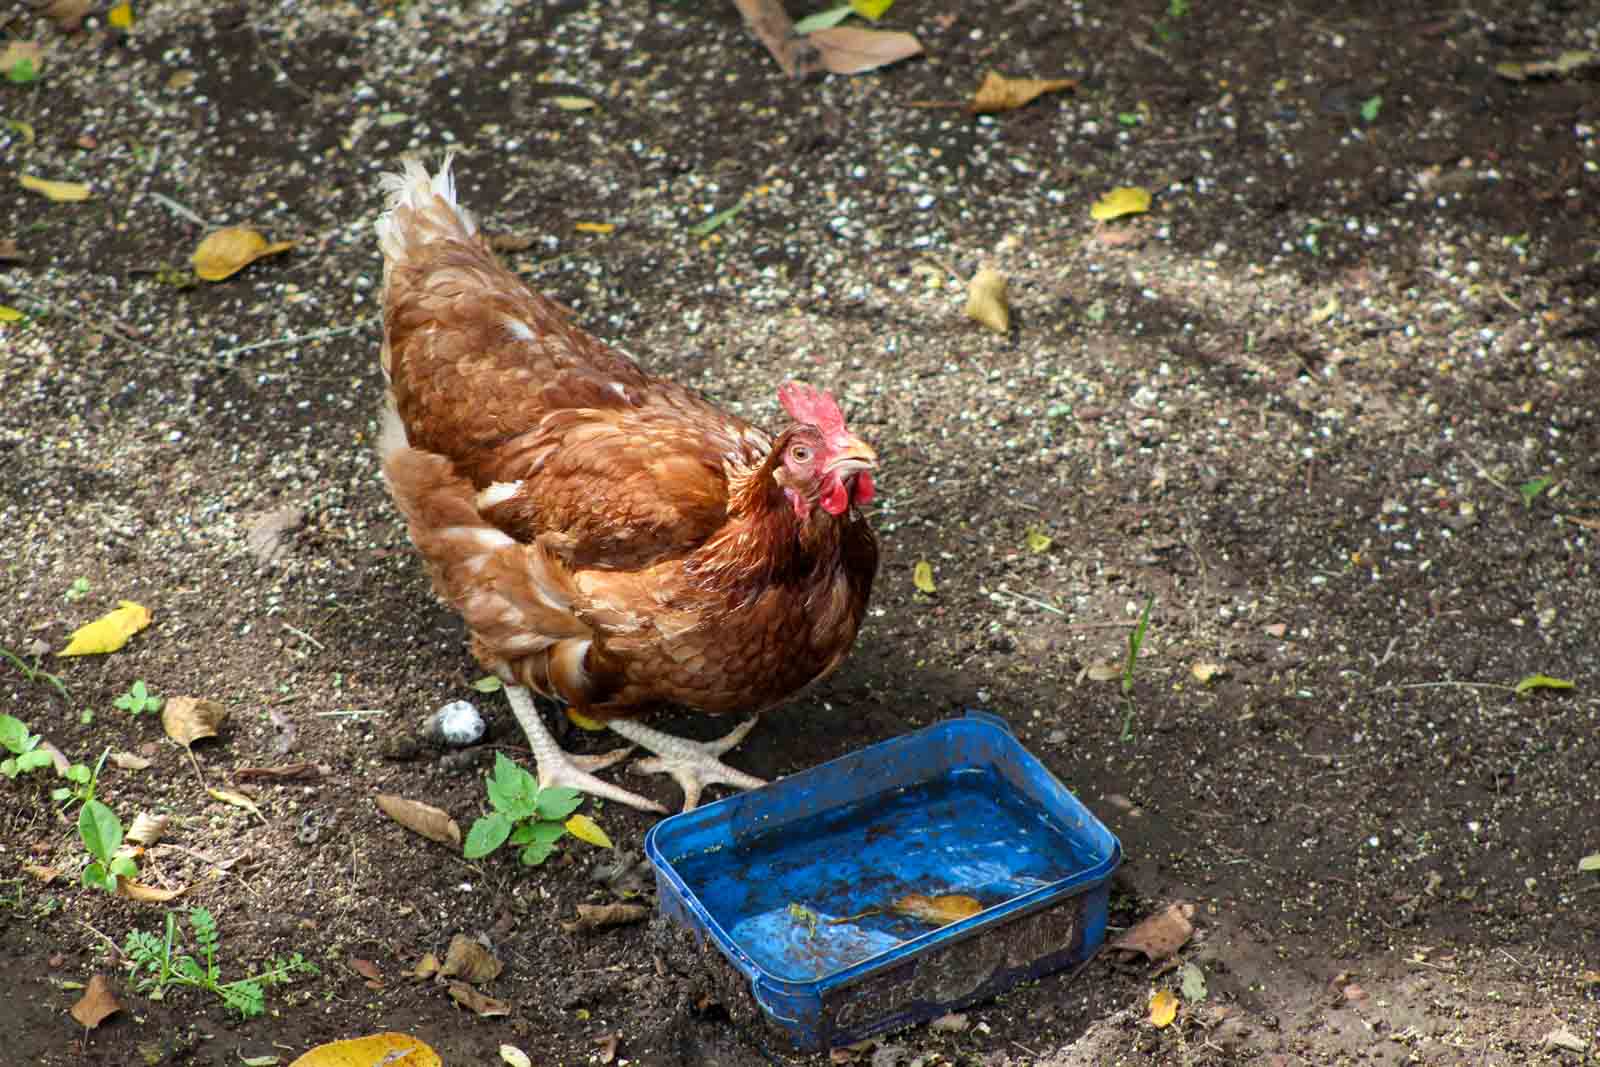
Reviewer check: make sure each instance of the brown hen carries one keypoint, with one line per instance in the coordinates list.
(613, 540)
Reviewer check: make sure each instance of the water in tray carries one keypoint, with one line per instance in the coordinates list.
(778, 894)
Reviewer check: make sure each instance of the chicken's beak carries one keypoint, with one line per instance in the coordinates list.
(854, 456)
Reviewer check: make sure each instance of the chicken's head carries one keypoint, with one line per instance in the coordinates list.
(822, 464)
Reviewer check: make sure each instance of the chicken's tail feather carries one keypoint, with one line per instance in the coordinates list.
(421, 208)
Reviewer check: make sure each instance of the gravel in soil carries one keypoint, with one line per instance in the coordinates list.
(1300, 402)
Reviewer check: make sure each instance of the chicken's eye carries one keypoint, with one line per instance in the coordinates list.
(800, 454)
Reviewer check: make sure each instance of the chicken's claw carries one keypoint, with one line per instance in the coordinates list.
(556, 767)
(692, 764)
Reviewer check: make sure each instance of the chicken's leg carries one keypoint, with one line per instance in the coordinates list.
(694, 764)
(556, 767)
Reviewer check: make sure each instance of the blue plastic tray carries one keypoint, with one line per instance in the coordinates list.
(794, 882)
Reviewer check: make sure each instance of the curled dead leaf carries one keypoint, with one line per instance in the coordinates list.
(608, 1046)
(852, 50)
(147, 828)
(986, 300)
(391, 1050)
(60, 192)
(190, 719)
(1000, 93)
(68, 15)
(468, 959)
(941, 910)
(97, 1002)
(513, 1056)
(601, 916)
(368, 970)
(1158, 936)
(228, 251)
(147, 894)
(238, 800)
(44, 874)
(128, 761)
(477, 1002)
(420, 818)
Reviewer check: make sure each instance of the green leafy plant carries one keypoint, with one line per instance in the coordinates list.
(101, 833)
(77, 590)
(35, 673)
(1531, 489)
(1135, 642)
(1370, 108)
(138, 700)
(524, 815)
(156, 966)
(26, 755)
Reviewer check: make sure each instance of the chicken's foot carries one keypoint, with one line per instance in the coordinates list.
(693, 764)
(556, 767)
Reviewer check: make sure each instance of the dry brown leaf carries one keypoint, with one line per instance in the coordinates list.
(191, 719)
(287, 772)
(986, 300)
(147, 828)
(391, 1050)
(228, 251)
(1000, 93)
(97, 1002)
(238, 800)
(147, 894)
(468, 959)
(68, 15)
(476, 1002)
(608, 1046)
(128, 761)
(852, 50)
(9, 252)
(57, 760)
(44, 874)
(1160, 935)
(601, 916)
(368, 970)
(420, 818)
(60, 192)
(268, 539)
(941, 910)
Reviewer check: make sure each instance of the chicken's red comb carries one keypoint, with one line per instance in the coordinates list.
(808, 404)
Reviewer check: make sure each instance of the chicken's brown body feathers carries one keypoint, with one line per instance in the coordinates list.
(610, 538)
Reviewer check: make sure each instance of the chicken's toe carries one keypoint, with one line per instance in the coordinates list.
(692, 764)
(556, 767)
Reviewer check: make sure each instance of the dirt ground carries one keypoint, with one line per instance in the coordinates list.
(1300, 402)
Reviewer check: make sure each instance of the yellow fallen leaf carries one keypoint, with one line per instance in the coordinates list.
(1000, 93)
(1204, 672)
(109, 632)
(586, 829)
(1127, 200)
(942, 910)
(10, 314)
(573, 103)
(922, 576)
(61, 192)
(986, 300)
(871, 9)
(391, 1050)
(121, 16)
(1038, 541)
(1163, 1008)
(584, 722)
(594, 227)
(24, 128)
(228, 251)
